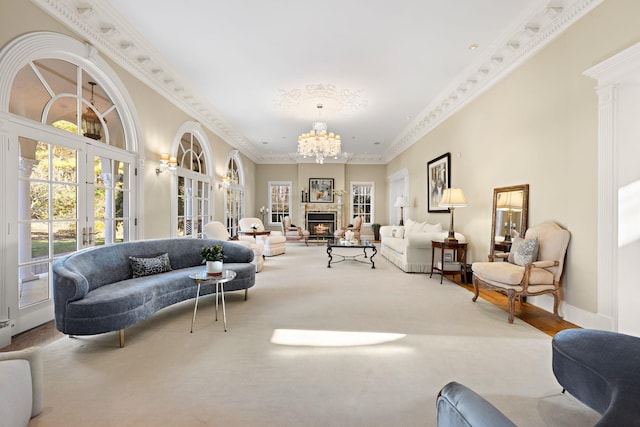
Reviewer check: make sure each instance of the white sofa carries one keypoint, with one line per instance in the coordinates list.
(409, 246)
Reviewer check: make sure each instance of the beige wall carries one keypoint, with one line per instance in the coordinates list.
(538, 126)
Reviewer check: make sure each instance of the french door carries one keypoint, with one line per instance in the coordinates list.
(71, 194)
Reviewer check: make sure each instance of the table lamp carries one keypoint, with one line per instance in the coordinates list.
(452, 198)
(401, 202)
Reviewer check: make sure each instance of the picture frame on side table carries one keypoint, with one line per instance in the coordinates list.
(438, 179)
(321, 190)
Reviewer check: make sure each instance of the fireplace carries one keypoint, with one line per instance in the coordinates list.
(321, 225)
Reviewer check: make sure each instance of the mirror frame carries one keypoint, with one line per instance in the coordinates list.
(525, 211)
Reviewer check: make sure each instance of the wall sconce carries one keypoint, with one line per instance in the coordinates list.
(167, 164)
(224, 182)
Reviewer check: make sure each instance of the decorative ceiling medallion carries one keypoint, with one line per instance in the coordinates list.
(302, 102)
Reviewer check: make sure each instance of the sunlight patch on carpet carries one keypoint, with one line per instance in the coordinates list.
(310, 338)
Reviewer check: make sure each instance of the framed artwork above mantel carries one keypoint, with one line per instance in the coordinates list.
(438, 179)
(321, 190)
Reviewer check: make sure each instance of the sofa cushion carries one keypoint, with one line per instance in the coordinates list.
(427, 228)
(149, 266)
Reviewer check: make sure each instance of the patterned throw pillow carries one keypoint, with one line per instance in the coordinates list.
(523, 251)
(397, 231)
(148, 266)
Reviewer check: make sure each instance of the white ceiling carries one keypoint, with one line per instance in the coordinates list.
(403, 64)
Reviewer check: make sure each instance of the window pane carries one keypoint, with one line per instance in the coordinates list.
(64, 237)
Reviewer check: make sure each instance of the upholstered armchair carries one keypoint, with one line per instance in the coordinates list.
(274, 242)
(356, 224)
(21, 386)
(532, 267)
(217, 230)
(292, 233)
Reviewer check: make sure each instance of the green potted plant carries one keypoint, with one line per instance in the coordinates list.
(376, 231)
(213, 256)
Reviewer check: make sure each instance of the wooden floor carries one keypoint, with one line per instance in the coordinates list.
(536, 317)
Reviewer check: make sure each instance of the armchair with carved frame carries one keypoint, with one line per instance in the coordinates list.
(293, 233)
(520, 277)
(355, 226)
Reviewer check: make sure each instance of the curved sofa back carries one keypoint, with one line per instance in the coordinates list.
(109, 264)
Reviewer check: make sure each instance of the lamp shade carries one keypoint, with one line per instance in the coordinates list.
(453, 198)
(401, 202)
(511, 201)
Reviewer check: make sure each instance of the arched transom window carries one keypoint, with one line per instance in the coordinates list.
(64, 95)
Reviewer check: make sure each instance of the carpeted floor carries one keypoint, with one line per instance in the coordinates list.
(424, 335)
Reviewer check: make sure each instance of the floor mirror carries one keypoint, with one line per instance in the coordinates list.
(510, 214)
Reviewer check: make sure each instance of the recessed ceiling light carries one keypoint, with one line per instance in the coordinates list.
(473, 46)
(376, 143)
(265, 142)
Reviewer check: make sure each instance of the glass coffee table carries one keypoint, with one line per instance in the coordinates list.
(202, 277)
(351, 244)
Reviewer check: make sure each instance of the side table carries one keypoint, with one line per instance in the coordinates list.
(202, 277)
(458, 263)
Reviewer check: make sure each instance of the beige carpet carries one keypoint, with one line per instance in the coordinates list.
(428, 334)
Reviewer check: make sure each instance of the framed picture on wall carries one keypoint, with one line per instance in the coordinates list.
(321, 190)
(438, 178)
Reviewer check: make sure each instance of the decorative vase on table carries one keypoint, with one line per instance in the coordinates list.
(348, 235)
(214, 268)
(213, 257)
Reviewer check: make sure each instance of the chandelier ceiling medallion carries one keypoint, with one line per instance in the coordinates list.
(335, 101)
(317, 143)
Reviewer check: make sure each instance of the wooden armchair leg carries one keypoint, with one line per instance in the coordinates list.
(512, 305)
(476, 290)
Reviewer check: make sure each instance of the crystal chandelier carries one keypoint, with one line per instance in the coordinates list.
(318, 143)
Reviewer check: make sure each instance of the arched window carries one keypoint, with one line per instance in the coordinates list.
(193, 184)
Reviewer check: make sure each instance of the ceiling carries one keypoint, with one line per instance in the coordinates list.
(254, 71)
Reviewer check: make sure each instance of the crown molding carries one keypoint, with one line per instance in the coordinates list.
(536, 29)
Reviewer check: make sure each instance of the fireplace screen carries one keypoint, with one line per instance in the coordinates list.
(321, 225)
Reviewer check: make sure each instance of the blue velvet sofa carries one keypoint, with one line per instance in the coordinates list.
(94, 290)
(599, 368)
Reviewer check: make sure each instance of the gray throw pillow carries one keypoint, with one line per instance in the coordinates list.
(148, 266)
(523, 251)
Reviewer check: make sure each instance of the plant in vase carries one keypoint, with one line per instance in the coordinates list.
(376, 231)
(213, 256)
